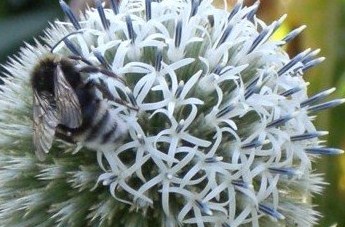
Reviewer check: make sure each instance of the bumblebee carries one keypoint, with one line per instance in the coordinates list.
(69, 106)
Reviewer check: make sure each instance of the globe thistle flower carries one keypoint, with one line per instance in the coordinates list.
(219, 124)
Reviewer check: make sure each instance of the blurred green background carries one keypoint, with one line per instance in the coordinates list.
(21, 20)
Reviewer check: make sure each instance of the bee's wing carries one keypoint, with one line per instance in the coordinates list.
(45, 122)
(66, 100)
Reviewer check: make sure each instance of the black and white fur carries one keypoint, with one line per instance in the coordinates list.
(70, 107)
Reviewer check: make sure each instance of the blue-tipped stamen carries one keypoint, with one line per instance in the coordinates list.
(203, 207)
(240, 183)
(72, 47)
(308, 136)
(265, 34)
(271, 212)
(326, 105)
(131, 97)
(148, 10)
(293, 61)
(262, 37)
(217, 70)
(310, 56)
(69, 13)
(100, 10)
(130, 29)
(235, 10)
(180, 126)
(313, 63)
(225, 34)
(178, 33)
(250, 91)
(291, 91)
(253, 144)
(213, 159)
(290, 172)
(252, 12)
(101, 59)
(253, 82)
(324, 151)
(158, 61)
(179, 89)
(114, 6)
(280, 121)
(110, 179)
(293, 34)
(141, 139)
(194, 8)
(315, 98)
(225, 111)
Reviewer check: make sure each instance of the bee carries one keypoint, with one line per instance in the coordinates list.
(67, 105)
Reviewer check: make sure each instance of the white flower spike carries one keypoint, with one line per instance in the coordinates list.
(216, 125)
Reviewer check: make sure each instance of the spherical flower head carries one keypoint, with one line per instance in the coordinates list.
(217, 128)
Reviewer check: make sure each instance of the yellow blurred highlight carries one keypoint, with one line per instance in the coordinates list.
(281, 32)
(341, 185)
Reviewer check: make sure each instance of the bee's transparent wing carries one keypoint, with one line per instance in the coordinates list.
(66, 100)
(45, 122)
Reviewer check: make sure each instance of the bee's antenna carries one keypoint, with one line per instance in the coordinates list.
(64, 39)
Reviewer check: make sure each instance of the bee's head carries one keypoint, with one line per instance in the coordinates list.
(42, 76)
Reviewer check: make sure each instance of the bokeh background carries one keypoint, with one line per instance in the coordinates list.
(21, 20)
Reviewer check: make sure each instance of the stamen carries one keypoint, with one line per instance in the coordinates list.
(253, 144)
(101, 59)
(271, 212)
(72, 47)
(158, 61)
(293, 34)
(179, 89)
(252, 12)
(148, 10)
(290, 172)
(293, 61)
(105, 22)
(326, 105)
(213, 159)
(291, 91)
(235, 10)
(315, 98)
(266, 34)
(131, 33)
(324, 151)
(225, 35)
(313, 63)
(131, 97)
(179, 126)
(225, 110)
(280, 121)
(307, 136)
(69, 13)
(114, 6)
(178, 33)
(240, 183)
(203, 207)
(194, 8)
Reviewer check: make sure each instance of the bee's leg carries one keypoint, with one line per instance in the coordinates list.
(64, 133)
(80, 58)
(95, 69)
(103, 88)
